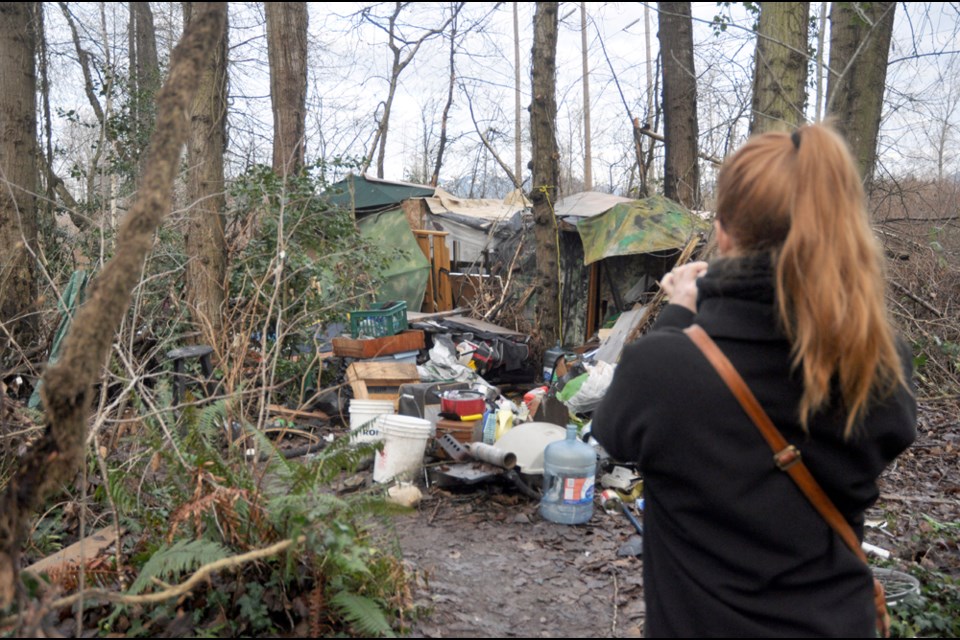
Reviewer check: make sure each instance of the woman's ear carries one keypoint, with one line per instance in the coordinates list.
(725, 244)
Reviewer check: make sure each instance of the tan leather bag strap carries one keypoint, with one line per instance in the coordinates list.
(785, 455)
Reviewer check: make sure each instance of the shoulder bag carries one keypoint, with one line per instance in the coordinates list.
(787, 458)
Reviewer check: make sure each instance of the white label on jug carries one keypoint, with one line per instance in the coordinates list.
(578, 490)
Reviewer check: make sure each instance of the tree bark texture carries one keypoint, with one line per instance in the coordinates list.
(780, 67)
(287, 52)
(68, 384)
(517, 122)
(205, 242)
(18, 172)
(859, 49)
(144, 73)
(681, 132)
(545, 161)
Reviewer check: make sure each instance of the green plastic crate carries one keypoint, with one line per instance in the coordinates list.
(384, 319)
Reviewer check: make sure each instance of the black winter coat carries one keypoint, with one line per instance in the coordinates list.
(731, 546)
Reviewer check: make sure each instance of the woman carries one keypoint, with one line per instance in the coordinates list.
(796, 302)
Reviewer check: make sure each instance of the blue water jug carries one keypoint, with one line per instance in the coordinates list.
(569, 474)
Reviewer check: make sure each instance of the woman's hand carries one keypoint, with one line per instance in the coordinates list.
(680, 284)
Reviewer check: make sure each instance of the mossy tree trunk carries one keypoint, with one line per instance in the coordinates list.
(287, 52)
(681, 131)
(859, 49)
(780, 67)
(205, 242)
(545, 161)
(18, 176)
(68, 385)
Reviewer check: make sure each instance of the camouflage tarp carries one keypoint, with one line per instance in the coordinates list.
(643, 226)
(406, 277)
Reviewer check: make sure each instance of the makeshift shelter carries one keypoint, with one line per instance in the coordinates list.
(613, 250)
(474, 231)
(382, 210)
(406, 277)
(364, 194)
(476, 225)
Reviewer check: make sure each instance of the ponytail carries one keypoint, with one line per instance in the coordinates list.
(800, 197)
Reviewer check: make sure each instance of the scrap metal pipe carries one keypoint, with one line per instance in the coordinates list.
(493, 455)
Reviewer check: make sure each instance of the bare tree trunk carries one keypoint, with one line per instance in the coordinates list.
(442, 145)
(681, 170)
(144, 74)
(780, 67)
(587, 151)
(18, 174)
(517, 126)
(821, 60)
(205, 242)
(287, 51)
(546, 169)
(859, 48)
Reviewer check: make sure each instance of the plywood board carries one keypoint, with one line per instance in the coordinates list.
(86, 549)
(612, 347)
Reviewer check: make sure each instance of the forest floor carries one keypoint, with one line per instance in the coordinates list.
(485, 564)
(482, 562)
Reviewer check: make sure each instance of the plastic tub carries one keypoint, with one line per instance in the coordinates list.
(364, 426)
(404, 443)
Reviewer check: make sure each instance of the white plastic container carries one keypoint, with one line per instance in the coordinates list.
(404, 443)
(569, 471)
(365, 425)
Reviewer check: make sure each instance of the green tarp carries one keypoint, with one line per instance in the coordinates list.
(362, 192)
(643, 226)
(67, 304)
(406, 277)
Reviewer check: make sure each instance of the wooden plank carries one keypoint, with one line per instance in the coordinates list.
(593, 300)
(612, 347)
(380, 380)
(443, 275)
(383, 373)
(88, 548)
(481, 325)
(309, 415)
(411, 340)
(417, 316)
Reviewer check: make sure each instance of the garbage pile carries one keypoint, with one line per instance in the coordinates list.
(459, 404)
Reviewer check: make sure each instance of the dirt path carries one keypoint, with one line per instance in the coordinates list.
(486, 564)
(490, 566)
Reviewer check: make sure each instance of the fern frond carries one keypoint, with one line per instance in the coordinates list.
(182, 556)
(276, 463)
(211, 421)
(362, 613)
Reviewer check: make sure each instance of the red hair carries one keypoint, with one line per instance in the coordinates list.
(800, 197)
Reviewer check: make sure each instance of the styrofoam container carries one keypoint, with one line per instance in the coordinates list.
(365, 425)
(404, 444)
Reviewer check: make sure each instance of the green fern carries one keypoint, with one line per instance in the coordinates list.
(182, 556)
(363, 613)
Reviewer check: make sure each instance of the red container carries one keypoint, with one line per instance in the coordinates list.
(462, 403)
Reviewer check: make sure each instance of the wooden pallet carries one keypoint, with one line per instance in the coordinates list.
(379, 380)
(412, 340)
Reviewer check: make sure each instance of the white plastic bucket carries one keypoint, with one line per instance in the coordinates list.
(404, 443)
(364, 423)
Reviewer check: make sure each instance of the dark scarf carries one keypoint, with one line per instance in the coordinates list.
(747, 277)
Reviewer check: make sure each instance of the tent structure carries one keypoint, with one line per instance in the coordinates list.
(640, 226)
(613, 250)
(365, 193)
(406, 277)
(476, 225)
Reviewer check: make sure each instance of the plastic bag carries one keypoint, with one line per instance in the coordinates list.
(588, 388)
